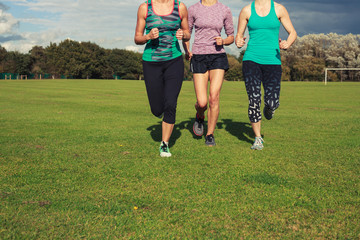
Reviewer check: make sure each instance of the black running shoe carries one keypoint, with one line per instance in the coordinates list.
(198, 127)
(210, 140)
(268, 113)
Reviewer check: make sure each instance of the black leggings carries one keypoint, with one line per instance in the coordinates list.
(163, 82)
(255, 74)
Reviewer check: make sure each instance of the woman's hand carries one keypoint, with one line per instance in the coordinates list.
(188, 55)
(283, 44)
(153, 34)
(240, 41)
(219, 41)
(179, 34)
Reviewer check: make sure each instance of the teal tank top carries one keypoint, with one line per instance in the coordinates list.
(166, 47)
(263, 46)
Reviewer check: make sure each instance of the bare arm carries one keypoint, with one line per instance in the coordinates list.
(184, 23)
(140, 38)
(242, 23)
(284, 18)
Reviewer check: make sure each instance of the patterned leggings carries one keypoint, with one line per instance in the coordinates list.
(255, 74)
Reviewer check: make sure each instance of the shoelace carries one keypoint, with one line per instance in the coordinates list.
(164, 148)
(200, 120)
(259, 141)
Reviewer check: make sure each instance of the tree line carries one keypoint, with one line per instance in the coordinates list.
(304, 61)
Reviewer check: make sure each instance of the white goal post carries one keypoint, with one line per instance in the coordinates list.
(346, 69)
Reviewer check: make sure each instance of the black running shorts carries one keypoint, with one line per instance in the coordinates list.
(201, 63)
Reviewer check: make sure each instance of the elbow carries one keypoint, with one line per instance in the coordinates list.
(294, 34)
(137, 42)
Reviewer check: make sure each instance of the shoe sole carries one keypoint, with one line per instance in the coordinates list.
(256, 148)
(165, 155)
(210, 144)
(199, 135)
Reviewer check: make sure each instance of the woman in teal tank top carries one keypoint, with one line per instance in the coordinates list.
(262, 61)
(165, 22)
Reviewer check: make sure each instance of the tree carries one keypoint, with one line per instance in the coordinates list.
(235, 70)
(3, 54)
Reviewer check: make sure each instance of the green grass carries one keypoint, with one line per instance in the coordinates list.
(78, 157)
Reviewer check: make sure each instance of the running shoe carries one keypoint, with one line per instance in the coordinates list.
(164, 150)
(268, 113)
(198, 127)
(210, 140)
(258, 144)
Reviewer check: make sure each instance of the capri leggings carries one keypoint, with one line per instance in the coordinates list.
(270, 76)
(163, 82)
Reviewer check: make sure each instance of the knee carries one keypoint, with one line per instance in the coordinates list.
(272, 104)
(202, 103)
(170, 114)
(214, 99)
(157, 111)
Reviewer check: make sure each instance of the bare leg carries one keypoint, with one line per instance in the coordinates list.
(216, 81)
(201, 85)
(256, 128)
(167, 129)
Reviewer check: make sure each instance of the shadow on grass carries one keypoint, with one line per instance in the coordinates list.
(156, 130)
(266, 178)
(238, 129)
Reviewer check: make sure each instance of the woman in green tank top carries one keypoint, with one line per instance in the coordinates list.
(164, 23)
(262, 62)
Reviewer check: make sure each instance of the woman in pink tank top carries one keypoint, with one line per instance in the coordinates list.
(208, 60)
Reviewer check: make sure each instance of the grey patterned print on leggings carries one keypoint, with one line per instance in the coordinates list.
(270, 77)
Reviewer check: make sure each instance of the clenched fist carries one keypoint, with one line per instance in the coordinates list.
(154, 33)
(219, 41)
(179, 34)
(240, 41)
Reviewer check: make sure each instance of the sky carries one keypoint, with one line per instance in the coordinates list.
(111, 23)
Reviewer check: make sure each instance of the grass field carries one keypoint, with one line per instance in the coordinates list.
(79, 160)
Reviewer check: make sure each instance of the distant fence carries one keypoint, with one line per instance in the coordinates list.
(9, 76)
(17, 76)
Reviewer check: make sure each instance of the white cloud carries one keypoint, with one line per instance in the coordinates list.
(134, 48)
(7, 22)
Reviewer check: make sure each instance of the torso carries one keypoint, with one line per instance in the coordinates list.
(167, 19)
(208, 22)
(263, 26)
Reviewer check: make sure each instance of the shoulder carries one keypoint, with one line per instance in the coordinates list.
(193, 9)
(182, 6)
(143, 7)
(223, 7)
(194, 6)
(280, 9)
(246, 11)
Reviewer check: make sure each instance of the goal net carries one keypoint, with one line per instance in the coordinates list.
(338, 69)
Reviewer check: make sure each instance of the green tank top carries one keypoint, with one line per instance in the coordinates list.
(166, 47)
(263, 46)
